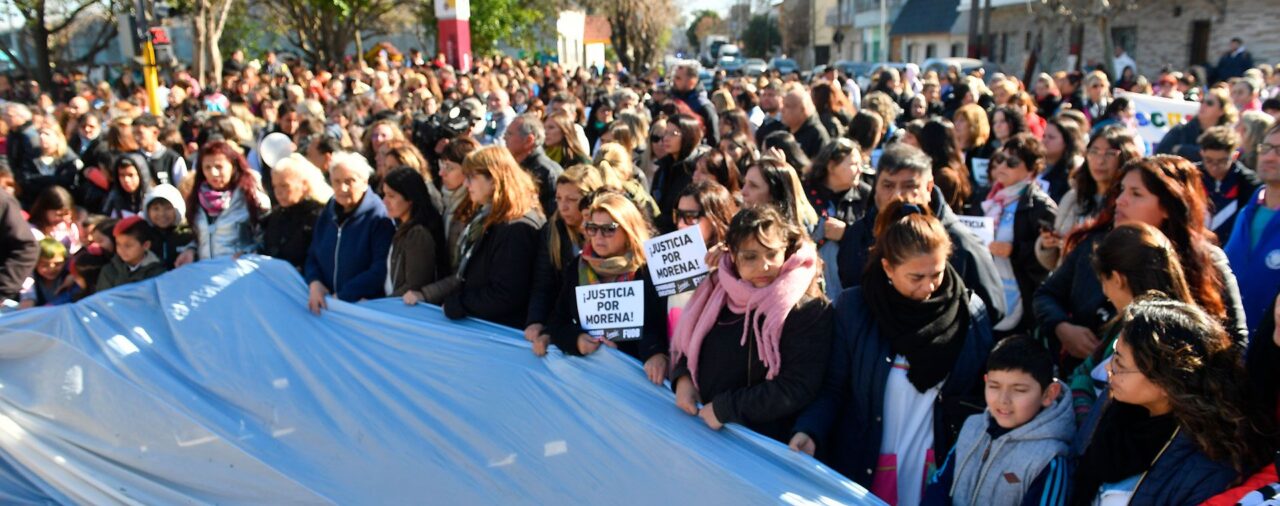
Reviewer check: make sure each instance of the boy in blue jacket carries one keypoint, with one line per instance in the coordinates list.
(1016, 451)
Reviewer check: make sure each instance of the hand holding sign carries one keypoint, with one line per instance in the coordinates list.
(611, 311)
(676, 258)
(982, 226)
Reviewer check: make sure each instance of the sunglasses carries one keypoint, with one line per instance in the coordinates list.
(655, 138)
(1212, 103)
(593, 229)
(1008, 161)
(689, 217)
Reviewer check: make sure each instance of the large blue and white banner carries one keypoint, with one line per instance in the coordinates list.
(213, 384)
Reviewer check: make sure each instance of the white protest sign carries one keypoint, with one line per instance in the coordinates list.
(982, 226)
(1156, 115)
(613, 311)
(676, 261)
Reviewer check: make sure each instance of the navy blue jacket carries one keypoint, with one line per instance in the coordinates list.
(969, 257)
(351, 259)
(846, 421)
(1181, 475)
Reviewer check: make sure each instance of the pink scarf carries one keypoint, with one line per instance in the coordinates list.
(1001, 196)
(770, 306)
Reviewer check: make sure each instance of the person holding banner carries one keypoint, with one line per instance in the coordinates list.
(1216, 109)
(613, 253)
(494, 260)
(1019, 208)
(561, 243)
(752, 344)
(1162, 191)
(906, 368)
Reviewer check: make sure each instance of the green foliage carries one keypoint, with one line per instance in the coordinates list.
(247, 32)
(761, 35)
(697, 28)
(515, 23)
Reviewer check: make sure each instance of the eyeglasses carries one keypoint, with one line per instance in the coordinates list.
(1215, 162)
(689, 217)
(1114, 370)
(1212, 103)
(1008, 161)
(1104, 153)
(592, 229)
(1265, 148)
(655, 138)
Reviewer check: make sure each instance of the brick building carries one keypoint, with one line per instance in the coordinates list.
(1156, 33)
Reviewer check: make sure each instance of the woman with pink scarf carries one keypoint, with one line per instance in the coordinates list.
(752, 344)
(1019, 209)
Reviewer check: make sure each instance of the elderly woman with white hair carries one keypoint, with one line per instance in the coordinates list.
(349, 247)
(301, 193)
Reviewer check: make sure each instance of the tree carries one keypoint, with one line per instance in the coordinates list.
(322, 29)
(705, 22)
(1050, 15)
(639, 28)
(47, 25)
(761, 35)
(797, 26)
(208, 23)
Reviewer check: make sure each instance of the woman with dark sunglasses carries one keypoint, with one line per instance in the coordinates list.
(710, 207)
(1018, 208)
(613, 252)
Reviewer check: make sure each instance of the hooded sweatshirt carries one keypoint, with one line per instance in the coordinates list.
(1026, 465)
(168, 242)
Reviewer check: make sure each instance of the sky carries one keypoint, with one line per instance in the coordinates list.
(721, 6)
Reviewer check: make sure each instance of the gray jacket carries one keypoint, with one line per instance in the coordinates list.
(231, 232)
(982, 464)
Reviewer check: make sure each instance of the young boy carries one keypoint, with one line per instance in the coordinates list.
(134, 260)
(165, 212)
(1016, 451)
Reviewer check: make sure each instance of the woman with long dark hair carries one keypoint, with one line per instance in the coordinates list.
(1112, 149)
(906, 366)
(130, 182)
(719, 167)
(1007, 122)
(681, 138)
(226, 205)
(833, 108)
(1133, 259)
(1162, 191)
(937, 138)
(1064, 147)
(771, 181)
(752, 343)
(418, 256)
(1175, 426)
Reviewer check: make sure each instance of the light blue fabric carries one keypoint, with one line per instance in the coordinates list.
(213, 384)
(829, 252)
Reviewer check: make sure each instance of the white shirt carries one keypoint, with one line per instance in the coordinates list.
(908, 433)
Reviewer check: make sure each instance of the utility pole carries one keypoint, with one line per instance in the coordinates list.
(150, 73)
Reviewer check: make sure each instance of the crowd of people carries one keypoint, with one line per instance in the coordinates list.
(1110, 335)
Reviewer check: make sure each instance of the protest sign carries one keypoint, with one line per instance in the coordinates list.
(613, 311)
(676, 261)
(1156, 115)
(981, 171)
(982, 226)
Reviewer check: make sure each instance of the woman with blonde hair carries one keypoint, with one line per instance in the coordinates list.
(562, 144)
(615, 160)
(493, 259)
(563, 239)
(56, 164)
(613, 253)
(301, 193)
(974, 139)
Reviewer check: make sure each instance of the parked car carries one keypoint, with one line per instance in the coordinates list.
(754, 67)
(940, 65)
(730, 65)
(784, 66)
